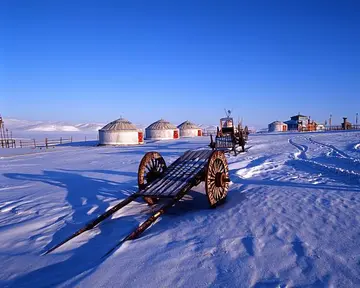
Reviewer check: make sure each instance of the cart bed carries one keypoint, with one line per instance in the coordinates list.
(180, 173)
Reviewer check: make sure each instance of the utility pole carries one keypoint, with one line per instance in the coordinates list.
(1, 134)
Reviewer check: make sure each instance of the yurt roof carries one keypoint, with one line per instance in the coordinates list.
(188, 125)
(161, 125)
(278, 123)
(120, 124)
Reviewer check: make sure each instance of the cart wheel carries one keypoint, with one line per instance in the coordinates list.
(151, 167)
(217, 178)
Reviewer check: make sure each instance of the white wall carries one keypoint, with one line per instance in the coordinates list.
(160, 134)
(189, 132)
(118, 137)
(275, 127)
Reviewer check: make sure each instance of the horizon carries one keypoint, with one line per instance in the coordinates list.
(75, 123)
(180, 60)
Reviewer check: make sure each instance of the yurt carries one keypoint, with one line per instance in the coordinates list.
(189, 129)
(161, 130)
(120, 132)
(277, 126)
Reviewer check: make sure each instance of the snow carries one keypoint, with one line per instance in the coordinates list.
(53, 128)
(50, 126)
(291, 217)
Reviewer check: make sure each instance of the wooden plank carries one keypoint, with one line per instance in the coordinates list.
(188, 171)
(173, 169)
(184, 170)
(167, 189)
(195, 174)
(169, 179)
(189, 175)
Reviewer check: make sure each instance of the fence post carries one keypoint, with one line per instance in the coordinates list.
(20, 144)
(34, 144)
(46, 143)
(71, 139)
(60, 140)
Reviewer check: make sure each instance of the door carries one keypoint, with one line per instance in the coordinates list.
(176, 134)
(199, 132)
(140, 137)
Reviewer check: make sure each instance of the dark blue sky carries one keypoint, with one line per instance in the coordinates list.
(94, 60)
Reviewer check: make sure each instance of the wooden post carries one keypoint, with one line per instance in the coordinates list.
(34, 144)
(60, 140)
(20, 144)
(46, 143)
(71, 139)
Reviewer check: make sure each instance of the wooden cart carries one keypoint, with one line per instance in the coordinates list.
(156, 181)
(228, 138)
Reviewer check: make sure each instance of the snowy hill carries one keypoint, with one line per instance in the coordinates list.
(49, 126)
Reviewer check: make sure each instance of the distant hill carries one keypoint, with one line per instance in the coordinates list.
(60, 126)
(49, 126)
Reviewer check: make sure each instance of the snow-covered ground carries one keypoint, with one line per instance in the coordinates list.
(291, 219)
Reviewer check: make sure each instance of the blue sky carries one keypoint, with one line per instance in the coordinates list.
(83, 61)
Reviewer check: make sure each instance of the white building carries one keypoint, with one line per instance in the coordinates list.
(161, 130)
(120, 132)
(320, 127)
(277, 126)
(188, 129)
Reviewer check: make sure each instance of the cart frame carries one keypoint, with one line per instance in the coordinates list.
(156, 181)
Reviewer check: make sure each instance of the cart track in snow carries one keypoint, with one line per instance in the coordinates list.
(331, 147)
(344, 158)
(300, 156)
(357, 146)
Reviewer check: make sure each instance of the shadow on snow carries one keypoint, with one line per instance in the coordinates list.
(84, 193)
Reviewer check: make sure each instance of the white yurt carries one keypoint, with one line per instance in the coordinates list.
(120, 132)
(277, 126)
(161, 130)
(189, 129)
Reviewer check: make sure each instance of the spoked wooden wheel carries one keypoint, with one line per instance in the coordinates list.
(151, 167)
(217, 178)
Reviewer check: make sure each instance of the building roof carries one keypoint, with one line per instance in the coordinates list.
(291, 122)
(120, 124)
(161, 125)
(277, 123)
(298, 116)
(188, 125)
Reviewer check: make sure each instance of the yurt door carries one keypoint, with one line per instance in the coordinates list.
(176, 134)
(140, 137)
(199, 132)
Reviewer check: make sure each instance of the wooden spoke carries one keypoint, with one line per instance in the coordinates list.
(151, 167)
(217, 178)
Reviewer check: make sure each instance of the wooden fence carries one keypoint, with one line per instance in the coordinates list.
(43, 144)
(8, 143)
(340, 127)
(46, 143)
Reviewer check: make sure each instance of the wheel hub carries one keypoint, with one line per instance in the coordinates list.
(221, 179)
(152, 175)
